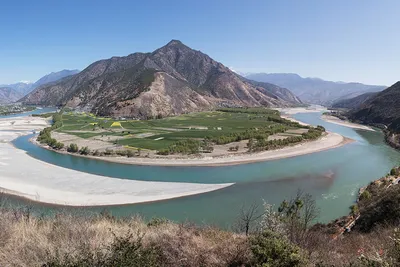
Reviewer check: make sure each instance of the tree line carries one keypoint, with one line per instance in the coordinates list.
(261, 143)
(188, 146)
(45, 135)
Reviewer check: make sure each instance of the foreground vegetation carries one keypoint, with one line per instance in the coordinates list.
(261, 236)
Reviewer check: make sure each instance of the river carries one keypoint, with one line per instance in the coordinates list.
(333, 177)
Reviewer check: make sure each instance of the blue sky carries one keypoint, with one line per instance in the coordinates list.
(346, 40)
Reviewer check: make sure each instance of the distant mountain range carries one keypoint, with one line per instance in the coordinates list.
(9, 95)
(21, 88)
(315, 90)
(173, 79)
(53, 77)
(13, 92)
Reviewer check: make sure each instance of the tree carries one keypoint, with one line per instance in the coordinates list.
(248, 216)
(84, 151)
(58, 146)
(271, 220)
(73, 148)
(298, 214)
(250, 144)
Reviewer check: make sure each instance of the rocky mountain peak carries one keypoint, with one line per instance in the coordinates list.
(173, 79)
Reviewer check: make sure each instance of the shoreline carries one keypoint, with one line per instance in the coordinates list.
(50, 184)
(24, 176)
(334, 120)
(43, 182)
(328, 141)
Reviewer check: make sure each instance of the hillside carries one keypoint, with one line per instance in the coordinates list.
(173, 79)
(355, 102)
(8, 95)
(383, 108)
(314, 90)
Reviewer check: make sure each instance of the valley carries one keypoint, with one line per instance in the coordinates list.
(199, 133)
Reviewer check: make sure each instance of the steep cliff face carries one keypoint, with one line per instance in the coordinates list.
(173, 79)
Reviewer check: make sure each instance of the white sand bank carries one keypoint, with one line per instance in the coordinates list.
(22, 175)
(335, 120)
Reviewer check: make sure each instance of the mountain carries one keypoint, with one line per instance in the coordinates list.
(53, 77)
(9, 95)
(22, 88)
(315, 90)
(173, 79)
(354, 102)
(383, 108)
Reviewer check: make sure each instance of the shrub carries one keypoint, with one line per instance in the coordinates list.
(127, 251)
(130, 153)
(73, 148)
(154, 222)
(84, 151)
(109, 152)
(354, 209)
(273, 250)
(122, 153)
(365, 195)
(58, 146)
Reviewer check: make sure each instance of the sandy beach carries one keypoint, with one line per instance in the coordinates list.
(335, 120)
(292, 111)
(22, 175)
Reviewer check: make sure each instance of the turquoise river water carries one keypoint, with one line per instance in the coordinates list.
(333, 177)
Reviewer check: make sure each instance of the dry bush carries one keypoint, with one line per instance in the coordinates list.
(30, 241)
(346, 250)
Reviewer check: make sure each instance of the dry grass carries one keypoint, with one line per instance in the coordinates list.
(26, 240)
(31, 241)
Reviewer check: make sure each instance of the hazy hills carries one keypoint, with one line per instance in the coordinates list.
(314, 90)
(54, 76)
(9, 95)
(173, 79)
(355, 102)
(13, 92)
(21, 88)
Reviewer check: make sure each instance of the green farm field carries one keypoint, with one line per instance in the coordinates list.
(158, 134)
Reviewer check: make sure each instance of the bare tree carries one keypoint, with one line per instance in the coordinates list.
(248, 216)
